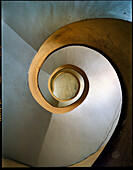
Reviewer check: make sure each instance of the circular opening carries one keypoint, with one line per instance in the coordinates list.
(65, 86)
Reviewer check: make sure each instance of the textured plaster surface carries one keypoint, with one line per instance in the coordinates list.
(35, 21)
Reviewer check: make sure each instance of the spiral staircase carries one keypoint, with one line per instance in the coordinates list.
(74, 93)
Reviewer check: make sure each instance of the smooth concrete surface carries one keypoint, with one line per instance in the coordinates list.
(35, 21)
(24, 122)
(43, 86)
(85, 163)
(74, 135)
